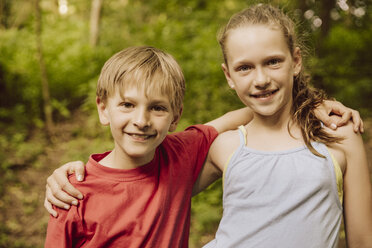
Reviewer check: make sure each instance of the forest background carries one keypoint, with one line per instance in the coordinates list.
(51, 53)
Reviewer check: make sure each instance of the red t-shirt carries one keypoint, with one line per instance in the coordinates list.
(144, 207)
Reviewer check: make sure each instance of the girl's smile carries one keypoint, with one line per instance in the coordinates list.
(264, 94)
(260, 67)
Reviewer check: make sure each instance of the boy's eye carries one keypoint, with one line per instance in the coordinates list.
(127, 105)
(158, 108)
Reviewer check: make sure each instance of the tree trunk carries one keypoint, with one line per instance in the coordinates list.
(325, 15)
(5, 6)
(44, 77)
(95, 16)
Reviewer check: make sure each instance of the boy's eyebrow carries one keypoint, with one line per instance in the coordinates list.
(160, 101)
(151, 101)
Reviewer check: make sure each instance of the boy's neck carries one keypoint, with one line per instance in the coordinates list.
(116, 160)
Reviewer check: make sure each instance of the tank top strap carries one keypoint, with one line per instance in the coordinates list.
(242, 135)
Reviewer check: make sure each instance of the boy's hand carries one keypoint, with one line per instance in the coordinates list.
(324, 110)
(59, 191)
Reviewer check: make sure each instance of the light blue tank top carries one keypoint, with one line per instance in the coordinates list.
(286, 199)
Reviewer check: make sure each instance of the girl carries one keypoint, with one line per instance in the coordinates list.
(287, 179)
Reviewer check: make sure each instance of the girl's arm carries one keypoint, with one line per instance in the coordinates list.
(357, 191)
(59, 191)
(219, 153)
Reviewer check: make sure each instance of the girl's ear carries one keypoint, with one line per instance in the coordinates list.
(102, 112)
(227, 75)
(297, 59)
(176, 119)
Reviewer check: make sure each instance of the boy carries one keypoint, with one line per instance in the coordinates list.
(139, 194)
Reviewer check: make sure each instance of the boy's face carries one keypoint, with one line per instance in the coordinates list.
(138, 123)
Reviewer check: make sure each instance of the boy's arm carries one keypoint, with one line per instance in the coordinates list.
(357, 191)
(328, 107)
(232, 120)
(61, 231)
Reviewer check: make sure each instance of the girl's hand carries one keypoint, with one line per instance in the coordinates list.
(328, 107)
(59, 191)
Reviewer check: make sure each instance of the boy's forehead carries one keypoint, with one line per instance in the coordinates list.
(140, 92)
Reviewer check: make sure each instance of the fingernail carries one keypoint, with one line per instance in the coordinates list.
(80, 178)
(54, 215)
(80, 197)
(333, 126)
(74, 203)
(67, 206)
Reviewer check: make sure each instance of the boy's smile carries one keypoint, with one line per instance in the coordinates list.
(139, 123)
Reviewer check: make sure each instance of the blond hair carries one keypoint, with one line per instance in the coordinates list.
(146, 68)
(305, 98)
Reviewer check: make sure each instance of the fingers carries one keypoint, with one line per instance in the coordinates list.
(79, 171)
(49, 208)
(62, 190)
(353, 115)
(323, 116)
(358, 122)
(50, 200)
(339, 109)
(344, 118)
(59, 180)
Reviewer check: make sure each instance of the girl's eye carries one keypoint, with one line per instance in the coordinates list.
(273, 62)
(244, 68)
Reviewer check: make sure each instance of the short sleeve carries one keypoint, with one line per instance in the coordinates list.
(61, 231)
(196, 142)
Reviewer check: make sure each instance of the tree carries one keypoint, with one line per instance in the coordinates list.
(44, 77)
(95, 16)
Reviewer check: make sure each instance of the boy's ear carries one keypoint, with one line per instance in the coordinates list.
(102, 112)
(227, 75)
(175, 121)
(297, 59)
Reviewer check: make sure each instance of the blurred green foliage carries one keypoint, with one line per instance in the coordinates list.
(341, 64)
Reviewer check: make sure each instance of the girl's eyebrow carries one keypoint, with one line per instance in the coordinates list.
(240, 63)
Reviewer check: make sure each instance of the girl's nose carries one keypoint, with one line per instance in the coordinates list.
(261, 80)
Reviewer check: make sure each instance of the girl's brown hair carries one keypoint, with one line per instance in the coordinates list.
(305, 97)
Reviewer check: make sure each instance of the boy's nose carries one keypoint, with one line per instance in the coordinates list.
(141, 119)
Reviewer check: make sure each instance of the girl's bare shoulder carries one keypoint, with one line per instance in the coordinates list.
(350, 145)
(223, 146)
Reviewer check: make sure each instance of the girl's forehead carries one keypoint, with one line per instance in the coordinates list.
(256, 33)
(256, 39)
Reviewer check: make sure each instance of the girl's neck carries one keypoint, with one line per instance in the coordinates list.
(271, 133)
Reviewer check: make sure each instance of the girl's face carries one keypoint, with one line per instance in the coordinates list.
(261, 68)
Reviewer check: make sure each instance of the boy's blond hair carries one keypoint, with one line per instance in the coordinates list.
(146, 68)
